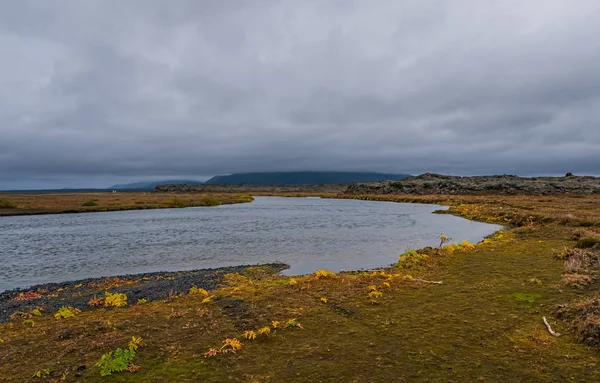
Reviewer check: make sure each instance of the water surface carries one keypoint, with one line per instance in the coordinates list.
(306, 233)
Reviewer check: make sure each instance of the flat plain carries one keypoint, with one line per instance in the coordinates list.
(483, 322)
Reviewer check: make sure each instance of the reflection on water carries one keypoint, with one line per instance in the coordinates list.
(306, 233)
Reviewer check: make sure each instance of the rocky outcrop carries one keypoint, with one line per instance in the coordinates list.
(249, 189)
(424, 184)
(505, 184)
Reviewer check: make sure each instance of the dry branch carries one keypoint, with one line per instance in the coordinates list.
(550, 328)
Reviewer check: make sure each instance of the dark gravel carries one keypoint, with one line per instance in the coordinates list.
(150, 286)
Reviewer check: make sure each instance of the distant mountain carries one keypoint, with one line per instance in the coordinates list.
(303, 178)
(150, 185)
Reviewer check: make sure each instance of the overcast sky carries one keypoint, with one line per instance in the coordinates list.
(98, 92)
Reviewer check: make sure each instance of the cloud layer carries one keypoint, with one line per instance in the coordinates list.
(112, 90)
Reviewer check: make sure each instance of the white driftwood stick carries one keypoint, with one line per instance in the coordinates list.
(424, 281)
(550, 328)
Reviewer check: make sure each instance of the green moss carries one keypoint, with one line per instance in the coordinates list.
(527, 297)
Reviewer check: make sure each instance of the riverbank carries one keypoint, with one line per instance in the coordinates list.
(154, 286)
(65, 203)
(482, 323)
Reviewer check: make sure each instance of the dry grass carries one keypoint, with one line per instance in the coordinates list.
(31, 203)
(578, 281)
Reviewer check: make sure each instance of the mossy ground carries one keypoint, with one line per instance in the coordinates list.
(484, 323)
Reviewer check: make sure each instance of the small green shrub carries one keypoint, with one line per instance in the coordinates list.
(116, 361)
(7, 204)
(587, 243)
(90, 203)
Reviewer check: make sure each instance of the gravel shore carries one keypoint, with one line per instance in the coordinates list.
(150, 286)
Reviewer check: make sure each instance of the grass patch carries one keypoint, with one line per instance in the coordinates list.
(7, 204)
(90, 203)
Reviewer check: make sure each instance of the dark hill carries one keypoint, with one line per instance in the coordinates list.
(302, 178)
(150, 185)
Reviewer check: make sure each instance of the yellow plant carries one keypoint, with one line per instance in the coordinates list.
(275, 323)
(66, 312)
(198, 291)
(211, 352)
(467, 246)
(142, 301)
(231, 345)
(135, 342)
(449, 249)
(387, 285)
(249, 334)
(324, 300)
(375, 294)
(324, 274)
(293, 282)
(115, 300)
(264, 331)
(372, 288)
(37, 312)
(443, 239)
(207, 300)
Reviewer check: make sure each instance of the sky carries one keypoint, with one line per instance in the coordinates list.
(100, 92)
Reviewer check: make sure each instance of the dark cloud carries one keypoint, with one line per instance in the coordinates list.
(99, 91)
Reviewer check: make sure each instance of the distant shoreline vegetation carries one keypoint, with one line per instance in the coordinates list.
(65, 203)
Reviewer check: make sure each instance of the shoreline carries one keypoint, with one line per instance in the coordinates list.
(158, 285)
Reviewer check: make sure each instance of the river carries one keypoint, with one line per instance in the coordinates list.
(306, 233)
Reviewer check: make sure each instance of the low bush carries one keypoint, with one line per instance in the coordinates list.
(324, 274)
(90, 203)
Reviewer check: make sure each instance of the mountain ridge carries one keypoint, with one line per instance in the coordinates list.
(302, 178)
